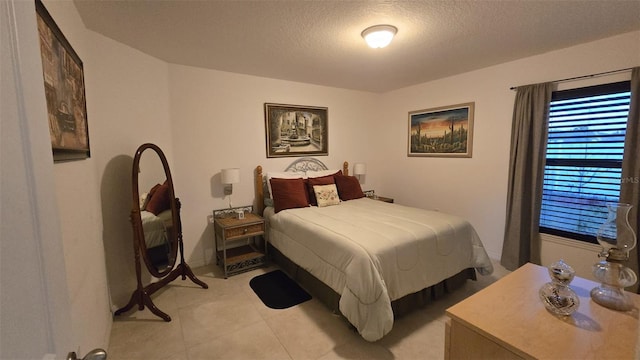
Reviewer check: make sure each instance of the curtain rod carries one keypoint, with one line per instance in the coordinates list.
(585, 76)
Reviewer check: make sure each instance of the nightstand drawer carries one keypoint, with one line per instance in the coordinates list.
(242, 231)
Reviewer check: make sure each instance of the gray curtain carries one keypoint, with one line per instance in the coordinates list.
(630, 187)
(526, 173)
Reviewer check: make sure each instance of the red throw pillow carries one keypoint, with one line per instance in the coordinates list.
(348, 187)
(289, 193)
(153, 190)
(160, 201)
(322, 180)
(149, 196)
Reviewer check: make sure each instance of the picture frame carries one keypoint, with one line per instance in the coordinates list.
(445, 131)
(63, 74)
(295, 130)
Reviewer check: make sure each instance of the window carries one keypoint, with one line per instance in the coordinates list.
(584, 159)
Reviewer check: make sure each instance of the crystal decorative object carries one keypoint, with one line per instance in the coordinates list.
(617, 238)
(556, 295)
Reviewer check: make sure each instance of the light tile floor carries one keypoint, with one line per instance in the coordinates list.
(228, 321)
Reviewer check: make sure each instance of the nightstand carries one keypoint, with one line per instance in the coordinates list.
(371, 194)
(382, 198)
(231, 253)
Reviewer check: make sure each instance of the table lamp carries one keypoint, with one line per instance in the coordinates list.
(229, 177)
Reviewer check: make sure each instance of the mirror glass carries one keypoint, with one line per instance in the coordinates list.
(157, 223)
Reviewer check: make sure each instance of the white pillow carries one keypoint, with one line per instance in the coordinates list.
(281, 175)
(320, 173)
(326, 195)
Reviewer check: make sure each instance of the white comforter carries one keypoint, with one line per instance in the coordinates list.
(155, 227)
(372, 252)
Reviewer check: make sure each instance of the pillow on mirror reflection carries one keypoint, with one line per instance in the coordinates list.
(148, 196)
(160, 200)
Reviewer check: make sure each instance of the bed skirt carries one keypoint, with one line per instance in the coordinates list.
(400, 306)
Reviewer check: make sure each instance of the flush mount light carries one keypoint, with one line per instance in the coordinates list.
(379, 36)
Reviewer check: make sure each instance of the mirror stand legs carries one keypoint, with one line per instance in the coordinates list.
(142, 298)
(185, 271)
(142, 295)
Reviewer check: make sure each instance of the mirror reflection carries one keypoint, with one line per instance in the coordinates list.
(155, 212)
(157, 234)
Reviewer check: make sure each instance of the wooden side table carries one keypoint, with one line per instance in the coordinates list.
(507, 320)
(371, 194)
(241, 258)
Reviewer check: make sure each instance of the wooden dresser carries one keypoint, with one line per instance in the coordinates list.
(507, 320)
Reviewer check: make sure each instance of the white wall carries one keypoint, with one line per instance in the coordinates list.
(218, 122)
(34, 298)
(476, 188)
(77, 190)
(127, 104)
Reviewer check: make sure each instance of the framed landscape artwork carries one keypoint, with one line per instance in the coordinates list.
(442, 132)
(64, 90)
(294, 130)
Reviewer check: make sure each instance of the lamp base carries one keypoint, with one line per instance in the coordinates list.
(612, 298)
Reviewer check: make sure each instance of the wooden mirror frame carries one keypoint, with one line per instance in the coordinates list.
(136, 218)
(142, 295)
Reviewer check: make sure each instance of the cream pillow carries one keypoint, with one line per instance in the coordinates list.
(320, 173)
(326, 195)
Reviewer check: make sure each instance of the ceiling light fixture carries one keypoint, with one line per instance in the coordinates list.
(379, 36)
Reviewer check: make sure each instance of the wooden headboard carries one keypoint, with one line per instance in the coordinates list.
(299, 165)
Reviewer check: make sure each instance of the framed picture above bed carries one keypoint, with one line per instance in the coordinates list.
(63, 74)
(441, 132)
(294, 130)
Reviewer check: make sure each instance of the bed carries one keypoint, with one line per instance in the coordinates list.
(157, 223)
(372, 258)
(157, 232)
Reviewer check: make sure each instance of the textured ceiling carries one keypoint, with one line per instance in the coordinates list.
(319, 42)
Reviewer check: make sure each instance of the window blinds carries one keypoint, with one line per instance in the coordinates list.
(584, 157)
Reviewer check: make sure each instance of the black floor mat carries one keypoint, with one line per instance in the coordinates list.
(278, 291)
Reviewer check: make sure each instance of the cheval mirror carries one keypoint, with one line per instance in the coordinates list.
(157, 229)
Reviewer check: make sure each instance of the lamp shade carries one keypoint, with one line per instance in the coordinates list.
(379, 36)
(230, 176)
(359, 169)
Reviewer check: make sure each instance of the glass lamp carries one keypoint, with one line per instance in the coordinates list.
(556, 295)
(617, 238)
